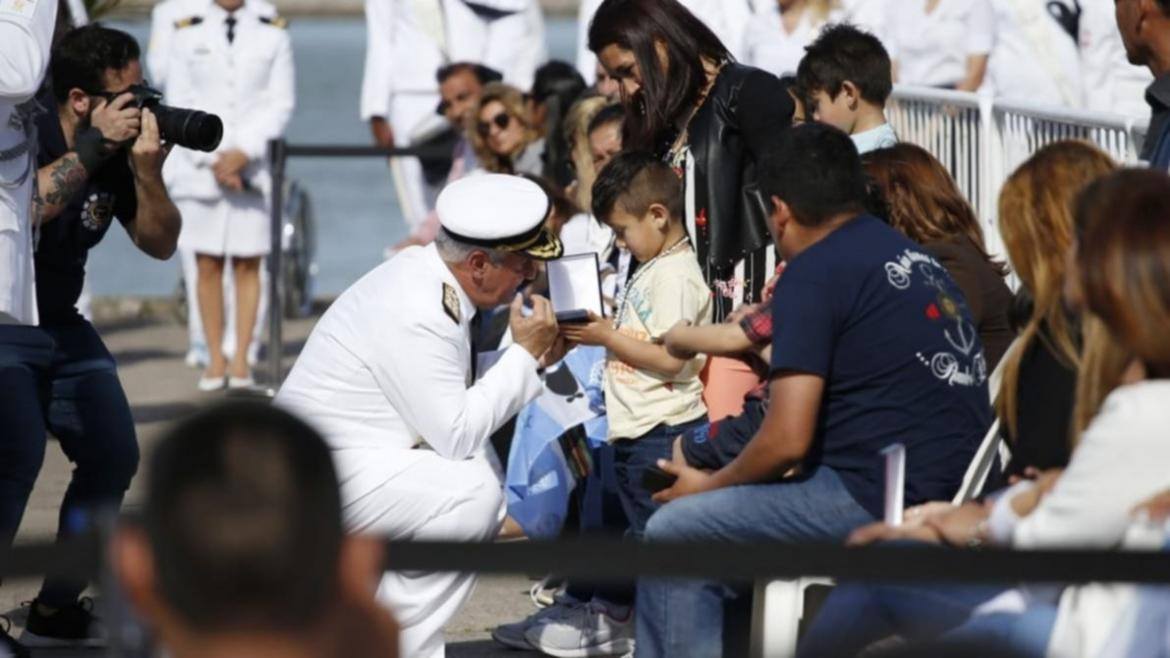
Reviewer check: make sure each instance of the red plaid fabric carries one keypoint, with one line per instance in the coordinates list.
(757, 323)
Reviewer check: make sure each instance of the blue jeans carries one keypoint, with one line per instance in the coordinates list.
(1022, 635)
(632, 457)
(685, 618)
(855, 616)
(62, 380)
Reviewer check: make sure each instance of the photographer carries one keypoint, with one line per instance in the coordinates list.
(99, 157)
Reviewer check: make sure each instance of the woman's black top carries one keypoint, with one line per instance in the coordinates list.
(737, 125)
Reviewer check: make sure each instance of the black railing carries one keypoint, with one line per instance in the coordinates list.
(279, 151)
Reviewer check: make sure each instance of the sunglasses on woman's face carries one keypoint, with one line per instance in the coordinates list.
(502, 121)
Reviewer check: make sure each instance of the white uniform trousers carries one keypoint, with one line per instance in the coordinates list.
(434, 499)
(407, 112)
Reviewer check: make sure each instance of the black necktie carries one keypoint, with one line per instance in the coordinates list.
(476, 330)
(231, 26)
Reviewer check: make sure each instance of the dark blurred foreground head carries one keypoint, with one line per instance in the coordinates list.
(240, 549)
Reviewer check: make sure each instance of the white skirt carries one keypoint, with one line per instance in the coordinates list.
(235, 225)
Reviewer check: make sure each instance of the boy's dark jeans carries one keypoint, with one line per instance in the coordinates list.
(633, 456)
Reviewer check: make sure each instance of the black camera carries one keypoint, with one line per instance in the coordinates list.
(188, 128)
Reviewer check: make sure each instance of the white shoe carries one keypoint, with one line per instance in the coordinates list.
(240, 382)
(513, 635)
(584, 631)
(210, 384)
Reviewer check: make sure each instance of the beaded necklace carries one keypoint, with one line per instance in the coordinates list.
(621, 307)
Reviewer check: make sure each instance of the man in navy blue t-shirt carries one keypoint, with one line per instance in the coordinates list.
(872, 345)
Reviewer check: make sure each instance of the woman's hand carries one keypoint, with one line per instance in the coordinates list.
(594, 331)
(674, 341)
(962, 526)
(1156, 508)
(879, 532)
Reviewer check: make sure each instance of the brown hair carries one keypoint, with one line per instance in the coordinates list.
(1125, 265)
(576, 129)
(924, 202)
(1036, 223)
(515, 105)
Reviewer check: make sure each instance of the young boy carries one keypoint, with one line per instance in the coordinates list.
(651, 396)
(846, 76)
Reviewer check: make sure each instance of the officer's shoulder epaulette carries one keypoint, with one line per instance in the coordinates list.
(275, 21)
(190, 21)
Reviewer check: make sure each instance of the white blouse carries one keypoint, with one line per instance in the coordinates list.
(931, 49)
(767, 45)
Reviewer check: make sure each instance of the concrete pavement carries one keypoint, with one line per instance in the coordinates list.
(161, 389)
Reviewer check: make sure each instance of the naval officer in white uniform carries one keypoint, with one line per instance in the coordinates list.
(233, 60)
(387, 376)
(26, 32)
(165, 18)
(408, 41)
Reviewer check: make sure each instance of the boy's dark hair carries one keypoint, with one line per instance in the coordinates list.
(243, 515)
(484, 74)
(612, 113)
(844, 53)
(82, 57)
(636, 180)
(816, 170)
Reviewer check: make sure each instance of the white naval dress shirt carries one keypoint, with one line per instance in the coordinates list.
(162, 28)
(1112, 84)
(387, 369)
(767, 45)
(26, 29)
(1034, 60)
(249, 83)
(932, 49)
(407, 41)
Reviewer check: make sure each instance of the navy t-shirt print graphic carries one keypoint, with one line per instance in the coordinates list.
(97, 211)
(963, 364)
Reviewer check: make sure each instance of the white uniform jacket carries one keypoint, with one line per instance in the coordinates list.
(409, 40)
(388, 367)
(248, 83)
(26, 29)
(162, 28)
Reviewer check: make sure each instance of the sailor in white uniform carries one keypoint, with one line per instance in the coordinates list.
(408, 41)
(234, 60)
(163, 20)
(26, 30)
(388, 377)
(1034, 58)
(1112, 84)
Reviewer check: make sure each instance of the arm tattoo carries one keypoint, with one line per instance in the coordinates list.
(66, 179)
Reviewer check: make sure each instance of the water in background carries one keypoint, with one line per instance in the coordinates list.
(357, 214)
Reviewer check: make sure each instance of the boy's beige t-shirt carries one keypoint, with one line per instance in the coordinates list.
(669, 290)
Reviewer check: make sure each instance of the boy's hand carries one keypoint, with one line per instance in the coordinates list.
(595, 331)
(690, 481)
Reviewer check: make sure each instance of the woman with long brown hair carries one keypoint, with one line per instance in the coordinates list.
(925, 204)
(713, 120)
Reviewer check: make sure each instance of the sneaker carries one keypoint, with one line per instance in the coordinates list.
(513, 635)
(584, 631)
(74, 625)
(8, 644)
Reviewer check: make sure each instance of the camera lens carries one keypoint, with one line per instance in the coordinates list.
(189, 128)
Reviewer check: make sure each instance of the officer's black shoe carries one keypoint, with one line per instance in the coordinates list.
(8, 644)
(73, 625)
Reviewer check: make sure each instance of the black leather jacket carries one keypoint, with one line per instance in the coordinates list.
(744, 113)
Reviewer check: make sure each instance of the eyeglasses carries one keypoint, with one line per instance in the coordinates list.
(502, 120)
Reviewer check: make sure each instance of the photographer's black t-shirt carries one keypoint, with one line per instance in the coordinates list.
(65, 241)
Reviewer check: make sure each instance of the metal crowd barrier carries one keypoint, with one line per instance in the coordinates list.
(981, 140)
(279, 151)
